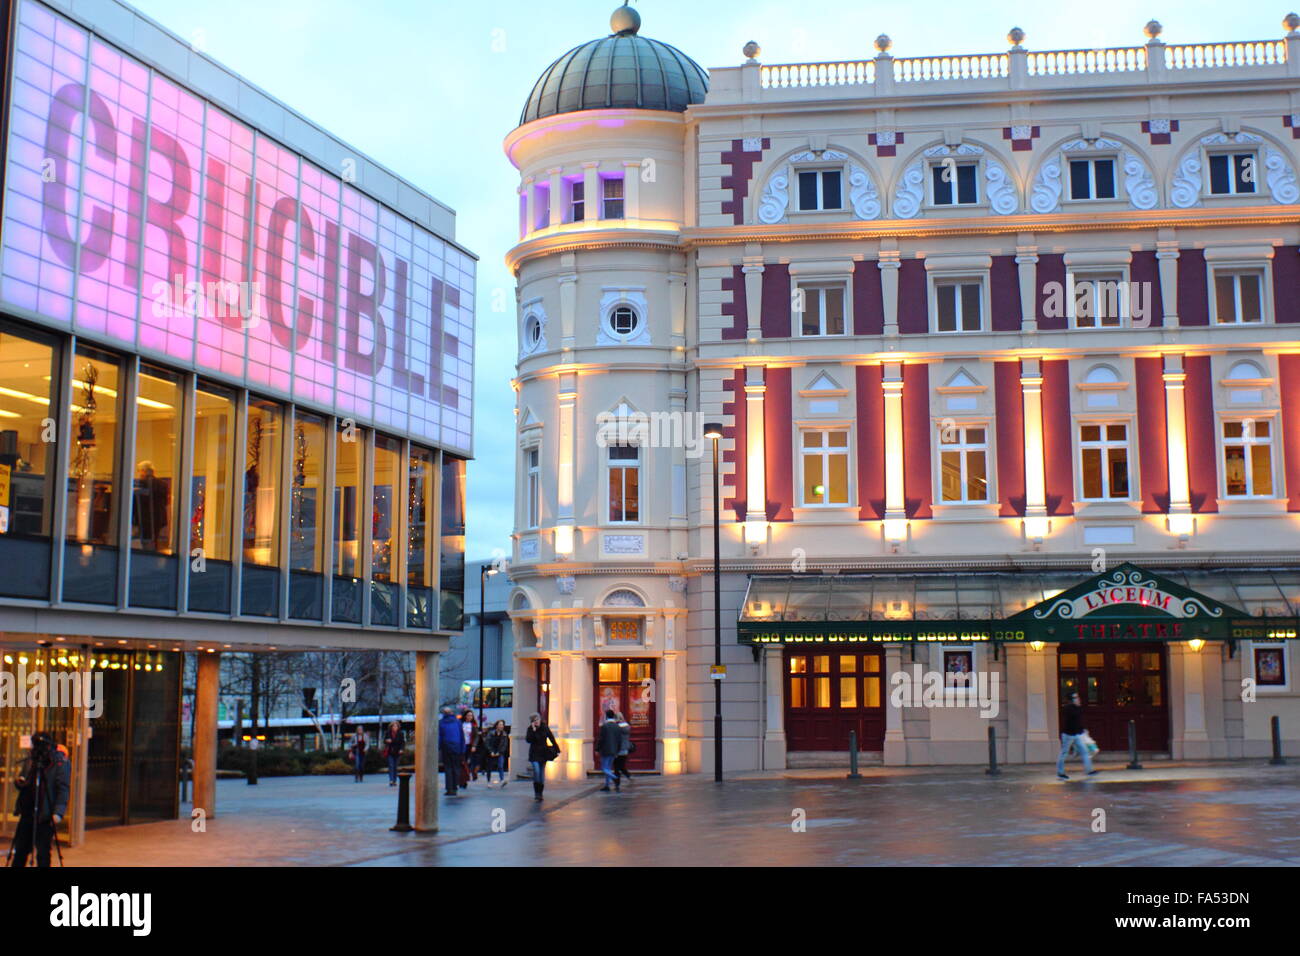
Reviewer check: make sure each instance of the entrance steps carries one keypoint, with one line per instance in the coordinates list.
(811, 759)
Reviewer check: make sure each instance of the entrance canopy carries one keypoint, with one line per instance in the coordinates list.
(1124, 603)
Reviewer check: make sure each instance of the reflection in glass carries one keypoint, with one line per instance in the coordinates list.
(263, 455)
(26, 459)
(419, 528)
(346, 561)
(211, 490)
(306, 516)
(153, 493)
(451, 575)
(91, 571)
(383, 531)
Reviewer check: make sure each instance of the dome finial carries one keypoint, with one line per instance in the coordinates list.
(625, 21)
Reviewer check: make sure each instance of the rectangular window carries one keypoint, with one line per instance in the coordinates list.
(385, 491)
(823, 309)
(1233, 173)
(91, 571)
(212, 493)
(1099, 300)
(1248, 458)
(541, 205)
(27, 483)
(345, 562)
(1238, 297)
(577, 201)
(419, 529)
(307, 517)
(963, 464)
(1092, 179)
(1103, 453)
(263, 456)
(532, 459)
(451, 570)
(954, 184)
(825, 460)
(612, 197)
(958, 306)
(624, 483)
(819, 189)
(153, 494)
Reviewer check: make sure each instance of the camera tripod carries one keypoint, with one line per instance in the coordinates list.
(39, 783)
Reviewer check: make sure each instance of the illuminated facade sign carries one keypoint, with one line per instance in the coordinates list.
(138, 213)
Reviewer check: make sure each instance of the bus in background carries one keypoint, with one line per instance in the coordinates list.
(497, 698)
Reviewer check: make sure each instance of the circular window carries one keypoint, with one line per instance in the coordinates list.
(624, 320)
(532, 331)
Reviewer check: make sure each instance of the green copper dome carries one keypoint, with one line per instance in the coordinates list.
(621, 71)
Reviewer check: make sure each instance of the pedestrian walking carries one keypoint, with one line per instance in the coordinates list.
(1073, 735)
(469, 766)
(451, 749)
(542, 749)
(394, 744)
(625, 747)
(607, 745)
(44, 782)
(496, 748)
(357, 753)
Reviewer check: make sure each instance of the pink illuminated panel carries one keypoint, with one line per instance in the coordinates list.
(137, 213)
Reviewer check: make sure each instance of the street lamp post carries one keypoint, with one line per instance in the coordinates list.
(484, 572)
(713, 431)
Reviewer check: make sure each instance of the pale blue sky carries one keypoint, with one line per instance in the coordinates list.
(430, 89)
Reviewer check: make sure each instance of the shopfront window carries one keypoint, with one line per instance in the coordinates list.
(383, 531)
(346, 602)
(211, 490)
(27, 433)
(307, 517)
(451, 576)
(157, 467)
(419, 524)
(90, 571)
(264, 448)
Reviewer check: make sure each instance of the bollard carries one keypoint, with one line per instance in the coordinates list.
(403, 824)
(1278, 760)
(853, 756)
(993, 770)
(1133, 746)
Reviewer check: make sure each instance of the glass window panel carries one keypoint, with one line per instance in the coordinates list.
(26, 462)
(834, 311)
(1232, 429)
(849, 692)
(1234, 470)
(1118, 458)
(838, 493)
(942, 185)
(609, 672)
(821, 692)
(383, 512)
(812, 439)
(1124, 660)
(1092, 473)
(1252, 308)
(1069, 661)
(451, 575)
(347, 517)
(1094, 661)
(95, 430)
(1245, 182)
(848, 663)
(157, 461)
(813, 481)
(798, 692)
(1225, 299)
(812, 311)
(1261, 429)
(1125, 692)
(638, 671)
(307, 494)
(947, 307)
(970, 307)
(1261, 469)
(871, 663)
(808, 190)
(1116, 432)
(1090, 432)
(1093, 694)
(419, 534)
(871, 692)
(831, 189)
(261, 528)
(799, 664)
(1151, 662)
(212, 490)
(1104, 173)
(1080, 187)
(821, 663)
(976, 478)
(1153, 691)
(1219, 173)
(950, 475)
(966, 192)
(837, 439)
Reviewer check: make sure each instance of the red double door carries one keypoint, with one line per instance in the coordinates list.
(628, 687)
(1117, 683)
(829, 693)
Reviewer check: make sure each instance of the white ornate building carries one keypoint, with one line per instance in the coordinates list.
(1005, 350)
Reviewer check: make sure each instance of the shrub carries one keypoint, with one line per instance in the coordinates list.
(335, 766)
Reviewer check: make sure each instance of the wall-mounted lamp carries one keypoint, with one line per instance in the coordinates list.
(1036, 645)
(563, 539)
(895, 531)
(1196, 644)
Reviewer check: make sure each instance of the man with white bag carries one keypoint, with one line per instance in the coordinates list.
(1073, 735)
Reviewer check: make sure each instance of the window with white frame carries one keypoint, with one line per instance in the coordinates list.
(1233, 173)
(624, 320)
(819, 308)
(624, 466)
(1248, 458)
(963, 463)
(1104, 461)
(533, 464)
(532, 331)
(959, 305)
(612, 197)
(1098, 300)
(820, 189)
(577, 201)
(1238, 296)
(541, 205)
(1092, 178)
(953, 183)
(824, 459)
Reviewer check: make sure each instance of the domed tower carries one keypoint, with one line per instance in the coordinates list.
(603, 432)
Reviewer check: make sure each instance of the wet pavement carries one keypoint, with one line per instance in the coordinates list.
(1221, 814)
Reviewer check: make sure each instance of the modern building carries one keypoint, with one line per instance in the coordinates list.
(236, 370)
(1005, 349)
(491, 625)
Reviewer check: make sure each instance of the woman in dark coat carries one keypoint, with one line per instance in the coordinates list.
(496, 749)
(542, 747)
(358, 755)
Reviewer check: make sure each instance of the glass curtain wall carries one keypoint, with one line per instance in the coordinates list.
(27, 443)
(420, 570)
(90, 564)
(346, 602)
(451, 575)
(307, 502)
(263, 457)
(385, 489)
(157, 464)
(211, 506)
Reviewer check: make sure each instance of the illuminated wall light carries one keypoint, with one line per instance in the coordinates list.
(1037, 528)
(755, 532)
(1196, 644)
(1036, 645)
(1181, 525)
(895, 530)
(564, 539)
(8, 659)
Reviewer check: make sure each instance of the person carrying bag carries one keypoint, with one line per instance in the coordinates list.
(542, 749)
